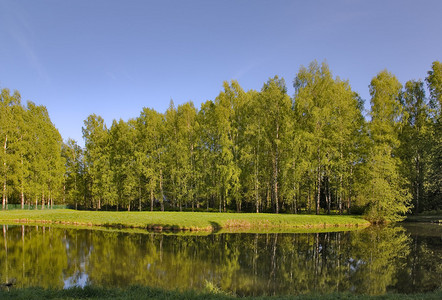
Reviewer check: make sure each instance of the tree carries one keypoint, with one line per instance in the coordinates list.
(123, 162)
(186, 125)
(46, 163)
(251, 153)
(180, 143)
(207, 182)
(313, 112)
(150, 154)
(10, 117)
(384, 192)
(97, 161)
(227, 140)
(276, 104)
(73, 182)
(414, 140)
(327, 127)
(434, 82)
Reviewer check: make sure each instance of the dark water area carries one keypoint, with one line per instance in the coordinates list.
(375, 260)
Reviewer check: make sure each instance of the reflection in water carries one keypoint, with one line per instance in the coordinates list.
(373, 260)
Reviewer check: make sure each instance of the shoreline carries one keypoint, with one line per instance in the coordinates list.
(138, 292)
(184, 221)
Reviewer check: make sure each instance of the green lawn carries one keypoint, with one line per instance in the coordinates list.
(192, 221)
(152, 293)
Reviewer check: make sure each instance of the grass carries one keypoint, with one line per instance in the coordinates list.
(97, 293)
(190, 221)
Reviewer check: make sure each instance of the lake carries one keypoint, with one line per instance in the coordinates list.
(375, 260)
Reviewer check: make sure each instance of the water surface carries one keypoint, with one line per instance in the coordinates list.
(374, 260)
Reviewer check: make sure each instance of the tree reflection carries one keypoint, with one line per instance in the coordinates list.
(33, 256)
(370, 261)
(378, 256)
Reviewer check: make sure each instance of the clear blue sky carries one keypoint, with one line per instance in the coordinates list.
(113, 58)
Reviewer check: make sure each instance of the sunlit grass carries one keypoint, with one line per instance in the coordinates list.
(192, 221)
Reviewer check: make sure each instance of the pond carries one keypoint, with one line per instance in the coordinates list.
(375, 260)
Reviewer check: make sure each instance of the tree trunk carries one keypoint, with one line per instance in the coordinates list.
(5, 179)
(139, 196)
(224, 201)
(328, 196)
(417, 183)
(22, 196)
(275, 175)
(318, 198)
(268, 197)
(340, 194)
(151, 198)
(220, 202)
(211, 197)
(349, 190)
(43, 200)
(238, 206)
(275, 184)
(256, 183)
(4, 195)
(161, 190)
(64, 193)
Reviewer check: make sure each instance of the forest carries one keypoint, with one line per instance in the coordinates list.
(317, 151)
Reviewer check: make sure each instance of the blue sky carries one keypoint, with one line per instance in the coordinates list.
(113, 58)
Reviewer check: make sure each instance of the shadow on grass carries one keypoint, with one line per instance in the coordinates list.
(215, 227)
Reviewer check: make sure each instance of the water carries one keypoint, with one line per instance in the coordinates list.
(371, 261)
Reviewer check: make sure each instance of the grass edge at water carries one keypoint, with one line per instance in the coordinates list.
(198, 221)
(137, 292)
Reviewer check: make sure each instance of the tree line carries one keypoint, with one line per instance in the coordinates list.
(32, 167)
(260, 151)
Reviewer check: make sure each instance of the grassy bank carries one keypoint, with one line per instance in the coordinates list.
(151, 293)
(197, 221)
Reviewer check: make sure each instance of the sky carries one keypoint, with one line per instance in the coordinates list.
(113, 58)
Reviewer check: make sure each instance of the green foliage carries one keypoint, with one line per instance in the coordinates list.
(247, 151)
(149, 153)
(383, 191)
(434, 179)
(74, 176)
(434, 81)
(327, 129)
(32, 167)
(415, 141)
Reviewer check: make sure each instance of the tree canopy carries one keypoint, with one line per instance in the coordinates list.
(261, 151)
